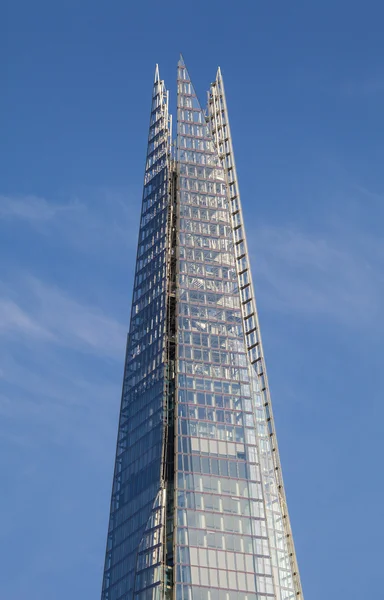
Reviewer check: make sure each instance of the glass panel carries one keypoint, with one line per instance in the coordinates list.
(136, 519)
(214, 395)
(278, 531)
(229, 506)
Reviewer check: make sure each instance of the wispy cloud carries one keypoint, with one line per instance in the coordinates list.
(366, 193)
(320, 275)
(14, 319)
(49, 400)
(368, 87)
(92, 220)
(61, 345)
(32, 208)
(75, 323)
(51, 314)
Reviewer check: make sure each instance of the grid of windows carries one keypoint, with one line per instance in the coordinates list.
(221, 529)
(134, 544)
(198, 510)
(286, 576)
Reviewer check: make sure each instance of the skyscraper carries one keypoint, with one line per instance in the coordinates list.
(198, 509)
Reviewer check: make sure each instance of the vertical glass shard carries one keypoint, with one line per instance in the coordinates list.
(221, 533)
(150, 556)
(287, 578)
(138, 467)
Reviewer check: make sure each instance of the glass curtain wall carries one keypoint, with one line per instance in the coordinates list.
(222, 543)
(134, 544)
(285, 569)
(198, 510)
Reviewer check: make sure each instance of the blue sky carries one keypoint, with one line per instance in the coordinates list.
(305, 89)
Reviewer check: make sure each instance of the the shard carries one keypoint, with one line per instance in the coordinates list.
(198, 509)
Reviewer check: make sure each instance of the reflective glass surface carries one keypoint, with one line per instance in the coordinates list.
(134, 546)
(222, 545)
(198, 510)
(286, 575)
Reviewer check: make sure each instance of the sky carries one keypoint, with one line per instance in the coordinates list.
(305, 92)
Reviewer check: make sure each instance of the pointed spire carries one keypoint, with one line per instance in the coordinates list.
(219, 80)
(187, 97)
(157, 74)
(182, 70)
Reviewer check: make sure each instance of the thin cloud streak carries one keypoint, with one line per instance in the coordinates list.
(94, 221)
(369, 193)
(49, 402)
(31, 208)
(319, 276)
(54, 316)
(14, 319)
(76, 324)
(365, 88)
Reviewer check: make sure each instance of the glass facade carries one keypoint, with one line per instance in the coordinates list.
(134, 543)
(198, 510)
